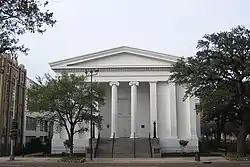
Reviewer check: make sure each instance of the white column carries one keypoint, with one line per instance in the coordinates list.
(198, 125)
(79, 126)
(89, 129)
(153, 108)
(133, 85)
(63, 133)
(96, 127)
(56, 134)
(172, 109)
(192, 118)
(114, 107)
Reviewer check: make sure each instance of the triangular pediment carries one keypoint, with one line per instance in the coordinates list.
(117, 57)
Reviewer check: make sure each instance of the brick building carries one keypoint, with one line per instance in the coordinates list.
(10, 70)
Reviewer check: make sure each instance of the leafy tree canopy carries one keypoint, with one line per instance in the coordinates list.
(219, 73)
(67, 101)
(18, 17)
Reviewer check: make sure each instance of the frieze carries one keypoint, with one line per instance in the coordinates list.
(115, 69)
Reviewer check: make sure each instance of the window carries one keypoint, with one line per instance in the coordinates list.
(22, 77)
(42, 125)
(30, 123)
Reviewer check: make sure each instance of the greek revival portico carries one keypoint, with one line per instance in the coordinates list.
(137, 95)
(134, 103)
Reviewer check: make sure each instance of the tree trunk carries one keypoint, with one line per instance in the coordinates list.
(225, 138)
(218, 135)
(71, 147)
(241, 141)
(71, 142)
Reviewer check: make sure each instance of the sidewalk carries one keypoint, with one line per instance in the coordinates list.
(156, 160)
(118, 160)
(31, 159)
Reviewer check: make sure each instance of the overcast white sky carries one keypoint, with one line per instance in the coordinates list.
(168, 26)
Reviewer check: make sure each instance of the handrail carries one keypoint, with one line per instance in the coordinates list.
(97, 144)
(134, 145)
(150, 145)
(113, 142)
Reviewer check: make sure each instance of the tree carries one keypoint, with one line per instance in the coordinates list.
(219, 73)
(67, 102)
(220, 114)
(18, 17)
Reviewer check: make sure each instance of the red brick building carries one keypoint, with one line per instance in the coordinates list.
(10, 70)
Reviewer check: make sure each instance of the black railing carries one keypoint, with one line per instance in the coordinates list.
(97, 144)
(113, 142)
(134, 145)
(154, 124)
(93, 130)
(150, 145)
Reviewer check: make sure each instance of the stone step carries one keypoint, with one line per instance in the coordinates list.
(124, 148)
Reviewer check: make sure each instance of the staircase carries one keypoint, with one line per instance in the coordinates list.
(142, 148)
(124, 148)
(104, 149)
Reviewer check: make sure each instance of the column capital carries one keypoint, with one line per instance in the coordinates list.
(131, 83)
(153, 82)
(114, 83)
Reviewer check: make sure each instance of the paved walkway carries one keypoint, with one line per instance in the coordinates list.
(120, 160)
(156, 160)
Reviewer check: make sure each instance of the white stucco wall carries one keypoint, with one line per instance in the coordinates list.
(143, 113)
(162, 104)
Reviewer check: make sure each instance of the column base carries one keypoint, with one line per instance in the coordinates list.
(132, 136)
(113, 137)
(152, 136)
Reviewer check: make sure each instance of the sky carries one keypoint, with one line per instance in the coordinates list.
(167, 26)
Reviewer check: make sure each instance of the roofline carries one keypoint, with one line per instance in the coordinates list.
(106, 51)
(31, 80)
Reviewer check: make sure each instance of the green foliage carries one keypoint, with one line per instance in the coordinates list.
(183, 143)
(66, 100)
(67, 144)
(219, 75)
(18, 17)
(219, 72)
(73, 159)
(34, 146)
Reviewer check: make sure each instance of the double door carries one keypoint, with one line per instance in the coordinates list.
(124, 117)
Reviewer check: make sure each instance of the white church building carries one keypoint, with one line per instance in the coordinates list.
(138, 94)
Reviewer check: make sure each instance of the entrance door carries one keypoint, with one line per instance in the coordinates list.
(124, 118)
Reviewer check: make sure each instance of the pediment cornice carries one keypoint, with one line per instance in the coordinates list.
(69, 70)
(124, 49)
